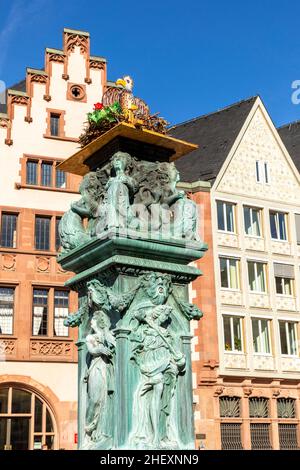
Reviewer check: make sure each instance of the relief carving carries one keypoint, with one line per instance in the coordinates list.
(49, 348)
(8, 262)
(7, 347)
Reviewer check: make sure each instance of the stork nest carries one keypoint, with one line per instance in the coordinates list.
(93, 130)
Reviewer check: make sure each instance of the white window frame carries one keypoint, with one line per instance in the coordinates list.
(292, 295)
(241, 320)
(277, 212)
(224, 203)
(228, 259)
(255, 262)
(295, 324)
(259, 210)
(262, 173)
(260, 319)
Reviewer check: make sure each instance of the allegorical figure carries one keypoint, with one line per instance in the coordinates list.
(100, 384)
(120, 190)
(184, 209)
(159, 362)
(71, 230)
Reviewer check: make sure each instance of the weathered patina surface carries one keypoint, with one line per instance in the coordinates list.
(129, 239)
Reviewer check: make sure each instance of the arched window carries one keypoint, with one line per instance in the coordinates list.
(26, 421)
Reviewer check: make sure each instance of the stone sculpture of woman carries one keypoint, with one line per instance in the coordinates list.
(100, 384)
(71, 230)
(159, 363)
(120, 191)
(184, 210)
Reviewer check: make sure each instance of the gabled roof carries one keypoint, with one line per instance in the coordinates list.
(215, 133)
(20, 86)
(290, 135)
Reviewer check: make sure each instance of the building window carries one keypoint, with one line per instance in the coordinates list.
(40, 312)
(288, 439)
(231, 436)
(258, 407)
(26, 422)
(252, 221)
(229, 407)
(61, 311)
(261, 335)
(284, 278)
(260, 436)
(297, 222)
(32, 172)
(288, 338)
(57, 236)
(262, 171)
(225, 212)
(229, 269)
(278, 226)
(43, 319)
(42, 233)
(54, 124)
(6, 310)
(233, 333)
(284, 286)
(257, 276)
(60, 179)
(9, 230)
(46, 174)
(286, 408)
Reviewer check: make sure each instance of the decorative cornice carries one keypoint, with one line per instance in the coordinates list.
(36, 71)
(96, 64)
(39, 78)
(57, 58)
(12, 92)
(20, 99)
(76, 31)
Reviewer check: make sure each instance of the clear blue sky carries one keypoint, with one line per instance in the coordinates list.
(187, 57)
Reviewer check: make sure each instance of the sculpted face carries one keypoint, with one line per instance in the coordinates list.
(119, 163)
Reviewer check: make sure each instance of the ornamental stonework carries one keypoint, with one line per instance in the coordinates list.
(4, 122)
(39, 78)
(96, 64)
(42, 264)
(50, 348)
(20, 99)
(7, 347)
(57, 58)
(8, 262)
(75, 40)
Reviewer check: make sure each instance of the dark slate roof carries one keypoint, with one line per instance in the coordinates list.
(215, 133)
(20, 86)
(290, 135)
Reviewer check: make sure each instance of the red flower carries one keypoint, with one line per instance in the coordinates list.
(98, 106)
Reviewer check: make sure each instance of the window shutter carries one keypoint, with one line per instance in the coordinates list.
(284, 270)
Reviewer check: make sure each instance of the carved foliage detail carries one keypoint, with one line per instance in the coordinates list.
(95, 64)
(7, 347)
(56, 58)
(50, 348)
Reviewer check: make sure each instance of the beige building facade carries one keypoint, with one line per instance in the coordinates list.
(247, 373)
